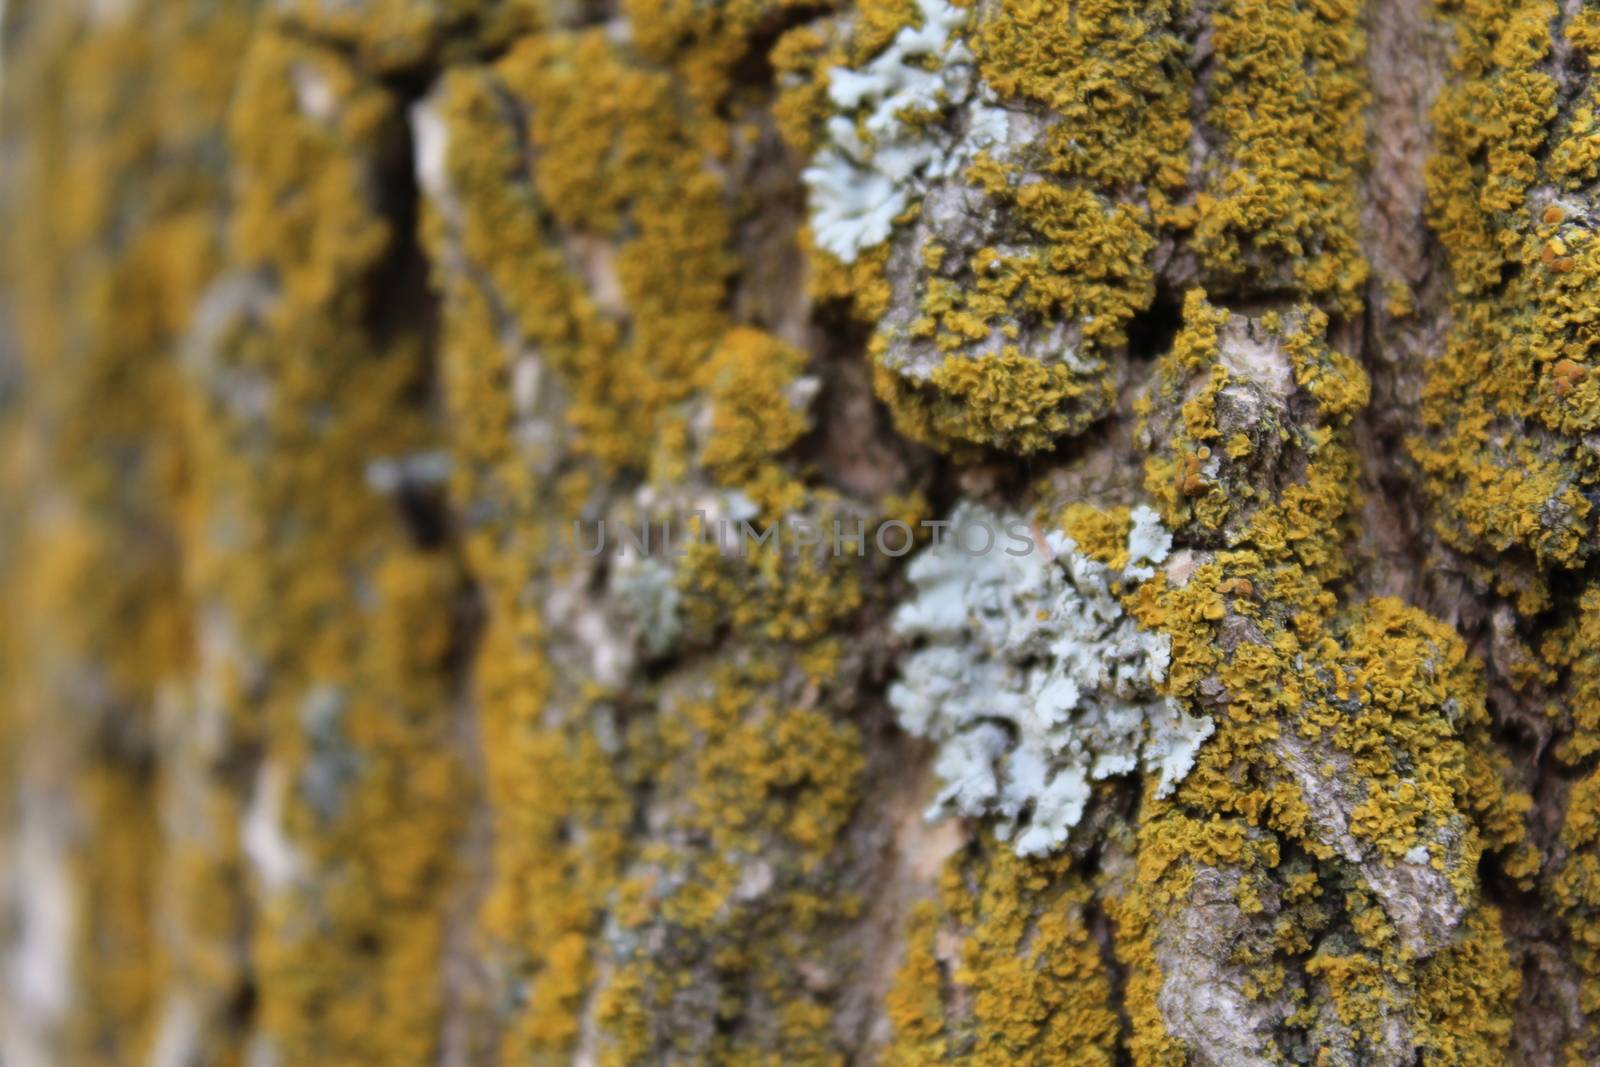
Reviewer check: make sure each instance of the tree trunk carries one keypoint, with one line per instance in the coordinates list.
(493, 561)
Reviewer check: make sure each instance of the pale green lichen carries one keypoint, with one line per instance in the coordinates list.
(1032, 680)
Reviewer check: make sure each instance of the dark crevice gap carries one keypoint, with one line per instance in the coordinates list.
(405, 309)
(1152, 331)
(401, 302)
(1101, 927)
(754, 66)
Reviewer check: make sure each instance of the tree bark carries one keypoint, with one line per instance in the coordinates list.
(335, 336)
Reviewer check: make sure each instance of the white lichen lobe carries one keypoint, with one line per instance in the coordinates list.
(1033, 681)
(916, 112)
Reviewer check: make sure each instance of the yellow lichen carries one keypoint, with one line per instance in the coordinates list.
(1279, 205)
(1004, 969)
(1506, 407)
(1297, 678)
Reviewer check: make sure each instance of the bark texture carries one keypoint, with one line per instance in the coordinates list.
(323, 321)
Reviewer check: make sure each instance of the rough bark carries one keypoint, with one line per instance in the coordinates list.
(1271, 323)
